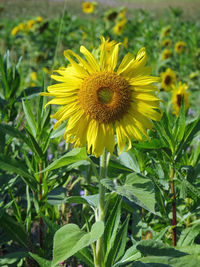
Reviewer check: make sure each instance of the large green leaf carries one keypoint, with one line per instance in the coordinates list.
(155, 248)
(188, 261)
(70, 239)
(137, 188)
(73, 156)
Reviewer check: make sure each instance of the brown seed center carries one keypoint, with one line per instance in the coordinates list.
(105, 96)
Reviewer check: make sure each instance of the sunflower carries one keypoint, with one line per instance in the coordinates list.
(177, 94)
(88, 7)
(15, 31)
(166, 42)
(101, 99)
(165, 31)
(168, 78)
(180, 47)
(119, 26)
(166, 54)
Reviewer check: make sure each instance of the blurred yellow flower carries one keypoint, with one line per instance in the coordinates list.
(101, 98)
(165, 31)
(22, 26)
(15, 31)
(177, 94)
(125, 42)
(30, 24)
(88, 7)
(111, 15)
(166, 54)
(180, 47)
(39, 19)
(34, 76)
(168, 78)
(122, 13)
(166, 42)
(119, 26)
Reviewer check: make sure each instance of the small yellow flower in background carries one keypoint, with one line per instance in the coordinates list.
(111, 15)
(71, 34)
(15, 31)
(180, 47)
(177, 94)
(33, 84)
(166, 42)
(165, 31)
(125, 42)
(122, 13)
(88, 7)
(100, 99)
(30, 24)
(194, 74)
(166, 54)
(119, 26)
(33, 76)
(39, 19)
(168, 78)
(22, 26)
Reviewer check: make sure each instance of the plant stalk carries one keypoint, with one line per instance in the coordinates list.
(40, 198)
(172, 187)
(101, 209)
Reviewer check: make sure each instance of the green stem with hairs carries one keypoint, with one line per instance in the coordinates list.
(101, 209)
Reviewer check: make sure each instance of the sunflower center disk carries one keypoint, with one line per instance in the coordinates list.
(168, 80)
(105, 96)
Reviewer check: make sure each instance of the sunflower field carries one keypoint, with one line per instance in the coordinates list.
(99, 135)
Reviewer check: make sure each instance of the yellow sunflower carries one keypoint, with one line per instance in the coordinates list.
(88, 7)
(166, 42)
(177, 94)
(165, 31)
(119, 26)
(168, 78)
(180, 47)
(101, 99)
(166, 54)
(15, 31)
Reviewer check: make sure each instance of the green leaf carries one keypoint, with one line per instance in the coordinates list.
(152, 144)
(190, 131)
(188, 235)
(155, 248)
(119, 244)
(69, 239)
(137, 188)
(29, 93)
(17, 167)
(130, 255)
(7, 129)
(42, 262)
(29, 117)
(69, 158)
(35, 147)
(179, 127)
(85, 256)
(111, 227)
(189, 261)
(129, 160)
(13, 229)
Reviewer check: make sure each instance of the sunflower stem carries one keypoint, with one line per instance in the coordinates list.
(101, 209)
(173, 206)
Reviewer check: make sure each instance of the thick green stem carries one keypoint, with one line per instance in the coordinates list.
(101, 209)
